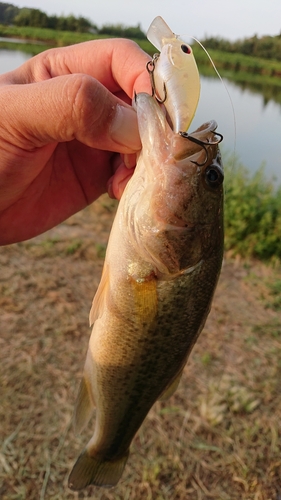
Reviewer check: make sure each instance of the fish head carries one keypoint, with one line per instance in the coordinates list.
(186, 198)
(195, 205)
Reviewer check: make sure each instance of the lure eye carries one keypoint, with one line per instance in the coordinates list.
(186, 49)
(213, 176)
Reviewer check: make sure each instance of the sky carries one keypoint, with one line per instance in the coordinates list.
(230, 19)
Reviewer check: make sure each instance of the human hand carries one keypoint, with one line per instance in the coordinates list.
(66, 127)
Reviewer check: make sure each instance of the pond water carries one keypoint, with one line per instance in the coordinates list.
(11, 59)
(253, 132)
(250, 125)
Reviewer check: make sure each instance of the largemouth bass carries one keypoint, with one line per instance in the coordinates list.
(175, 76)
(161, 268)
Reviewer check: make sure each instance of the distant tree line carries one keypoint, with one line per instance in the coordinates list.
(10, 14)
(7, 13)
(120, 30)
(266, 47)
(38, 19)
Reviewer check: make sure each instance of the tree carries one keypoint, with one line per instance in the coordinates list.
(31, 17)
(8, 13)
(120, 30)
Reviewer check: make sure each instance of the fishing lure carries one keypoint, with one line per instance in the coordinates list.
(174, 75)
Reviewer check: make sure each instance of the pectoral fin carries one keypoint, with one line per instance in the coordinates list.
(98, 301)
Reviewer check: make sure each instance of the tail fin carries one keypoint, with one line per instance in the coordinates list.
(89, 470)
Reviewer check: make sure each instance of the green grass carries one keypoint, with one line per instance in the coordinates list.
(252, 214)
(272, 328)
(274, 299)
(239, 63)
(56, 38)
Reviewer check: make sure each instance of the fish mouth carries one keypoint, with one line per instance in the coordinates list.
(202, 139)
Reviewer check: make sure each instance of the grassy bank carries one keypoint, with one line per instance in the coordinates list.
(252, 214)
(238, 64)
(55, 38)
(218, 437)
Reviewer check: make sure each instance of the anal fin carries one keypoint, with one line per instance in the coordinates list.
(84, 406)
(171, 388)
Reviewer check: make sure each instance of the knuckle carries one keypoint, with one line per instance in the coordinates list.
(88, 103)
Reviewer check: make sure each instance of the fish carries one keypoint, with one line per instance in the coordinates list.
(175, 74)
(161, 268)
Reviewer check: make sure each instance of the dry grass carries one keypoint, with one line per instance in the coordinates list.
(218, 437)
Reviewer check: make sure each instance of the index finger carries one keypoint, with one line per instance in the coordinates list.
(119, 64)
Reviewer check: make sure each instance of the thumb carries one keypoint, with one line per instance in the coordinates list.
(65, 108)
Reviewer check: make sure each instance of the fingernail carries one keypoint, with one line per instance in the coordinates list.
(129, 160)
(110, 188)
(124, 128)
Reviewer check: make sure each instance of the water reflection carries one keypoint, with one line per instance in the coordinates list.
(269, 92)
(253, 131)
(12, 40)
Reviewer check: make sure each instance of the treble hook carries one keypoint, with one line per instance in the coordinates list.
(152, 80)
(203, 144)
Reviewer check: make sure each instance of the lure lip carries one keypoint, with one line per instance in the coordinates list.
(158, 26)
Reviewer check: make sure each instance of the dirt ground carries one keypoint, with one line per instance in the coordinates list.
(218, 437)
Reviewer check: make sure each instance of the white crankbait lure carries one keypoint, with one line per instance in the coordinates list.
(174, 75)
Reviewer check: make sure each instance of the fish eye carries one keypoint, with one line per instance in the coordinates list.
(213, 176)
(186, 49)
